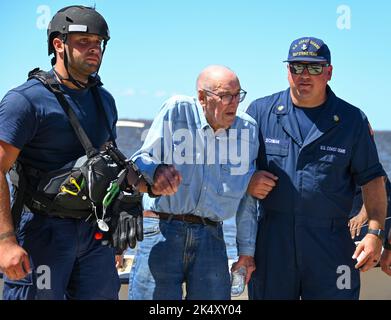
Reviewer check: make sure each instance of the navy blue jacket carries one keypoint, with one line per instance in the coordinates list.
(317, 176)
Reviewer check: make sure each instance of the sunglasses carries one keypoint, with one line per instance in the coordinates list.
(313, 68)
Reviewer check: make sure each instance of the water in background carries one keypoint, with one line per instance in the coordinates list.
(383, 142)
(129, 140)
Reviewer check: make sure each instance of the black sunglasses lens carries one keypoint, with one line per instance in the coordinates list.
(314, 69)
(296, 68)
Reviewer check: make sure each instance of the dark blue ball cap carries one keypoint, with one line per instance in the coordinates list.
(309, 49)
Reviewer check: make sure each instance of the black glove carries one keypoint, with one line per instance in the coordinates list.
(125, 221)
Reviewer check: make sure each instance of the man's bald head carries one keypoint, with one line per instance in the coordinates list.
(212, 77)
(214, 83)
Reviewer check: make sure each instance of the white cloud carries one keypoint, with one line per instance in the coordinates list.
(129, 92)
(160, 93)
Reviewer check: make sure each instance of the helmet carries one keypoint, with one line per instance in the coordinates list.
(77, 19)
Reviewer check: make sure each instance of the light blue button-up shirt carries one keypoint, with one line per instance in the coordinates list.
(216, 167)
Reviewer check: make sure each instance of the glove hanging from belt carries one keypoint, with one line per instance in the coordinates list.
(125, 221)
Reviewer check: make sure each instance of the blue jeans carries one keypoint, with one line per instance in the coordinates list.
(67, 262)
(175, 252)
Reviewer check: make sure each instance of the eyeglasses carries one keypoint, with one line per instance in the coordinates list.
(313, 68)
(227, 98)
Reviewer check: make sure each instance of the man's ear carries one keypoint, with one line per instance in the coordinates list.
(202, 97)
(58, 45)
(330, 72)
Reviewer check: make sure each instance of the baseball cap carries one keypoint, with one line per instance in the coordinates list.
(309, 49)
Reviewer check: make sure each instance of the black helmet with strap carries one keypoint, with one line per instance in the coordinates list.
(76, 19)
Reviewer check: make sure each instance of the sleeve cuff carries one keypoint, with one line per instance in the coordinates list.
(246, 250)
(372, 173)
(147, 168)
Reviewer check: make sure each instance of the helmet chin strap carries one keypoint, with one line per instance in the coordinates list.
(92, 80)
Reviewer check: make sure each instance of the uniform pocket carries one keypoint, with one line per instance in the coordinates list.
(330, 173)
(276, 155)
(276, 149)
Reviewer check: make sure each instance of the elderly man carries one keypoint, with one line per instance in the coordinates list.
(320, 147)
(183, 235)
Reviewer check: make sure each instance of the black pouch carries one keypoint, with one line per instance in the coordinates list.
(80, 184)
(66, 190)
(99, 172)
(50, 183)
(73, 193)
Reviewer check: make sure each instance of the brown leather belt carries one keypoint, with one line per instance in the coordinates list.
(191, 218)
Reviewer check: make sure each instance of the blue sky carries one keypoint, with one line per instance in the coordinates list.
(159, 47)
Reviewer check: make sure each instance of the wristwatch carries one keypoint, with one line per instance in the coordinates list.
(377, 232)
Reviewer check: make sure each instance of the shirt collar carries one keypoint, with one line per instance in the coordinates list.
(203, 122)
(285, 104)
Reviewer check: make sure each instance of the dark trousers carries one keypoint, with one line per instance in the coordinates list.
(67, 262)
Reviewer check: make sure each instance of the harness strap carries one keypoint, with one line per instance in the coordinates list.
(101, 108)
(52, 85)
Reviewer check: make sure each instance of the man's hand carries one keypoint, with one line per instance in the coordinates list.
(166, 180)
(14, 261)
(357, 222)
(371, 247)
(385, 261)
(375, 202)
(246, 261)
(261, 183)
(119, 261)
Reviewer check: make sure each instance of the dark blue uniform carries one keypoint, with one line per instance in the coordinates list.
(66, 260)
(303, 243)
